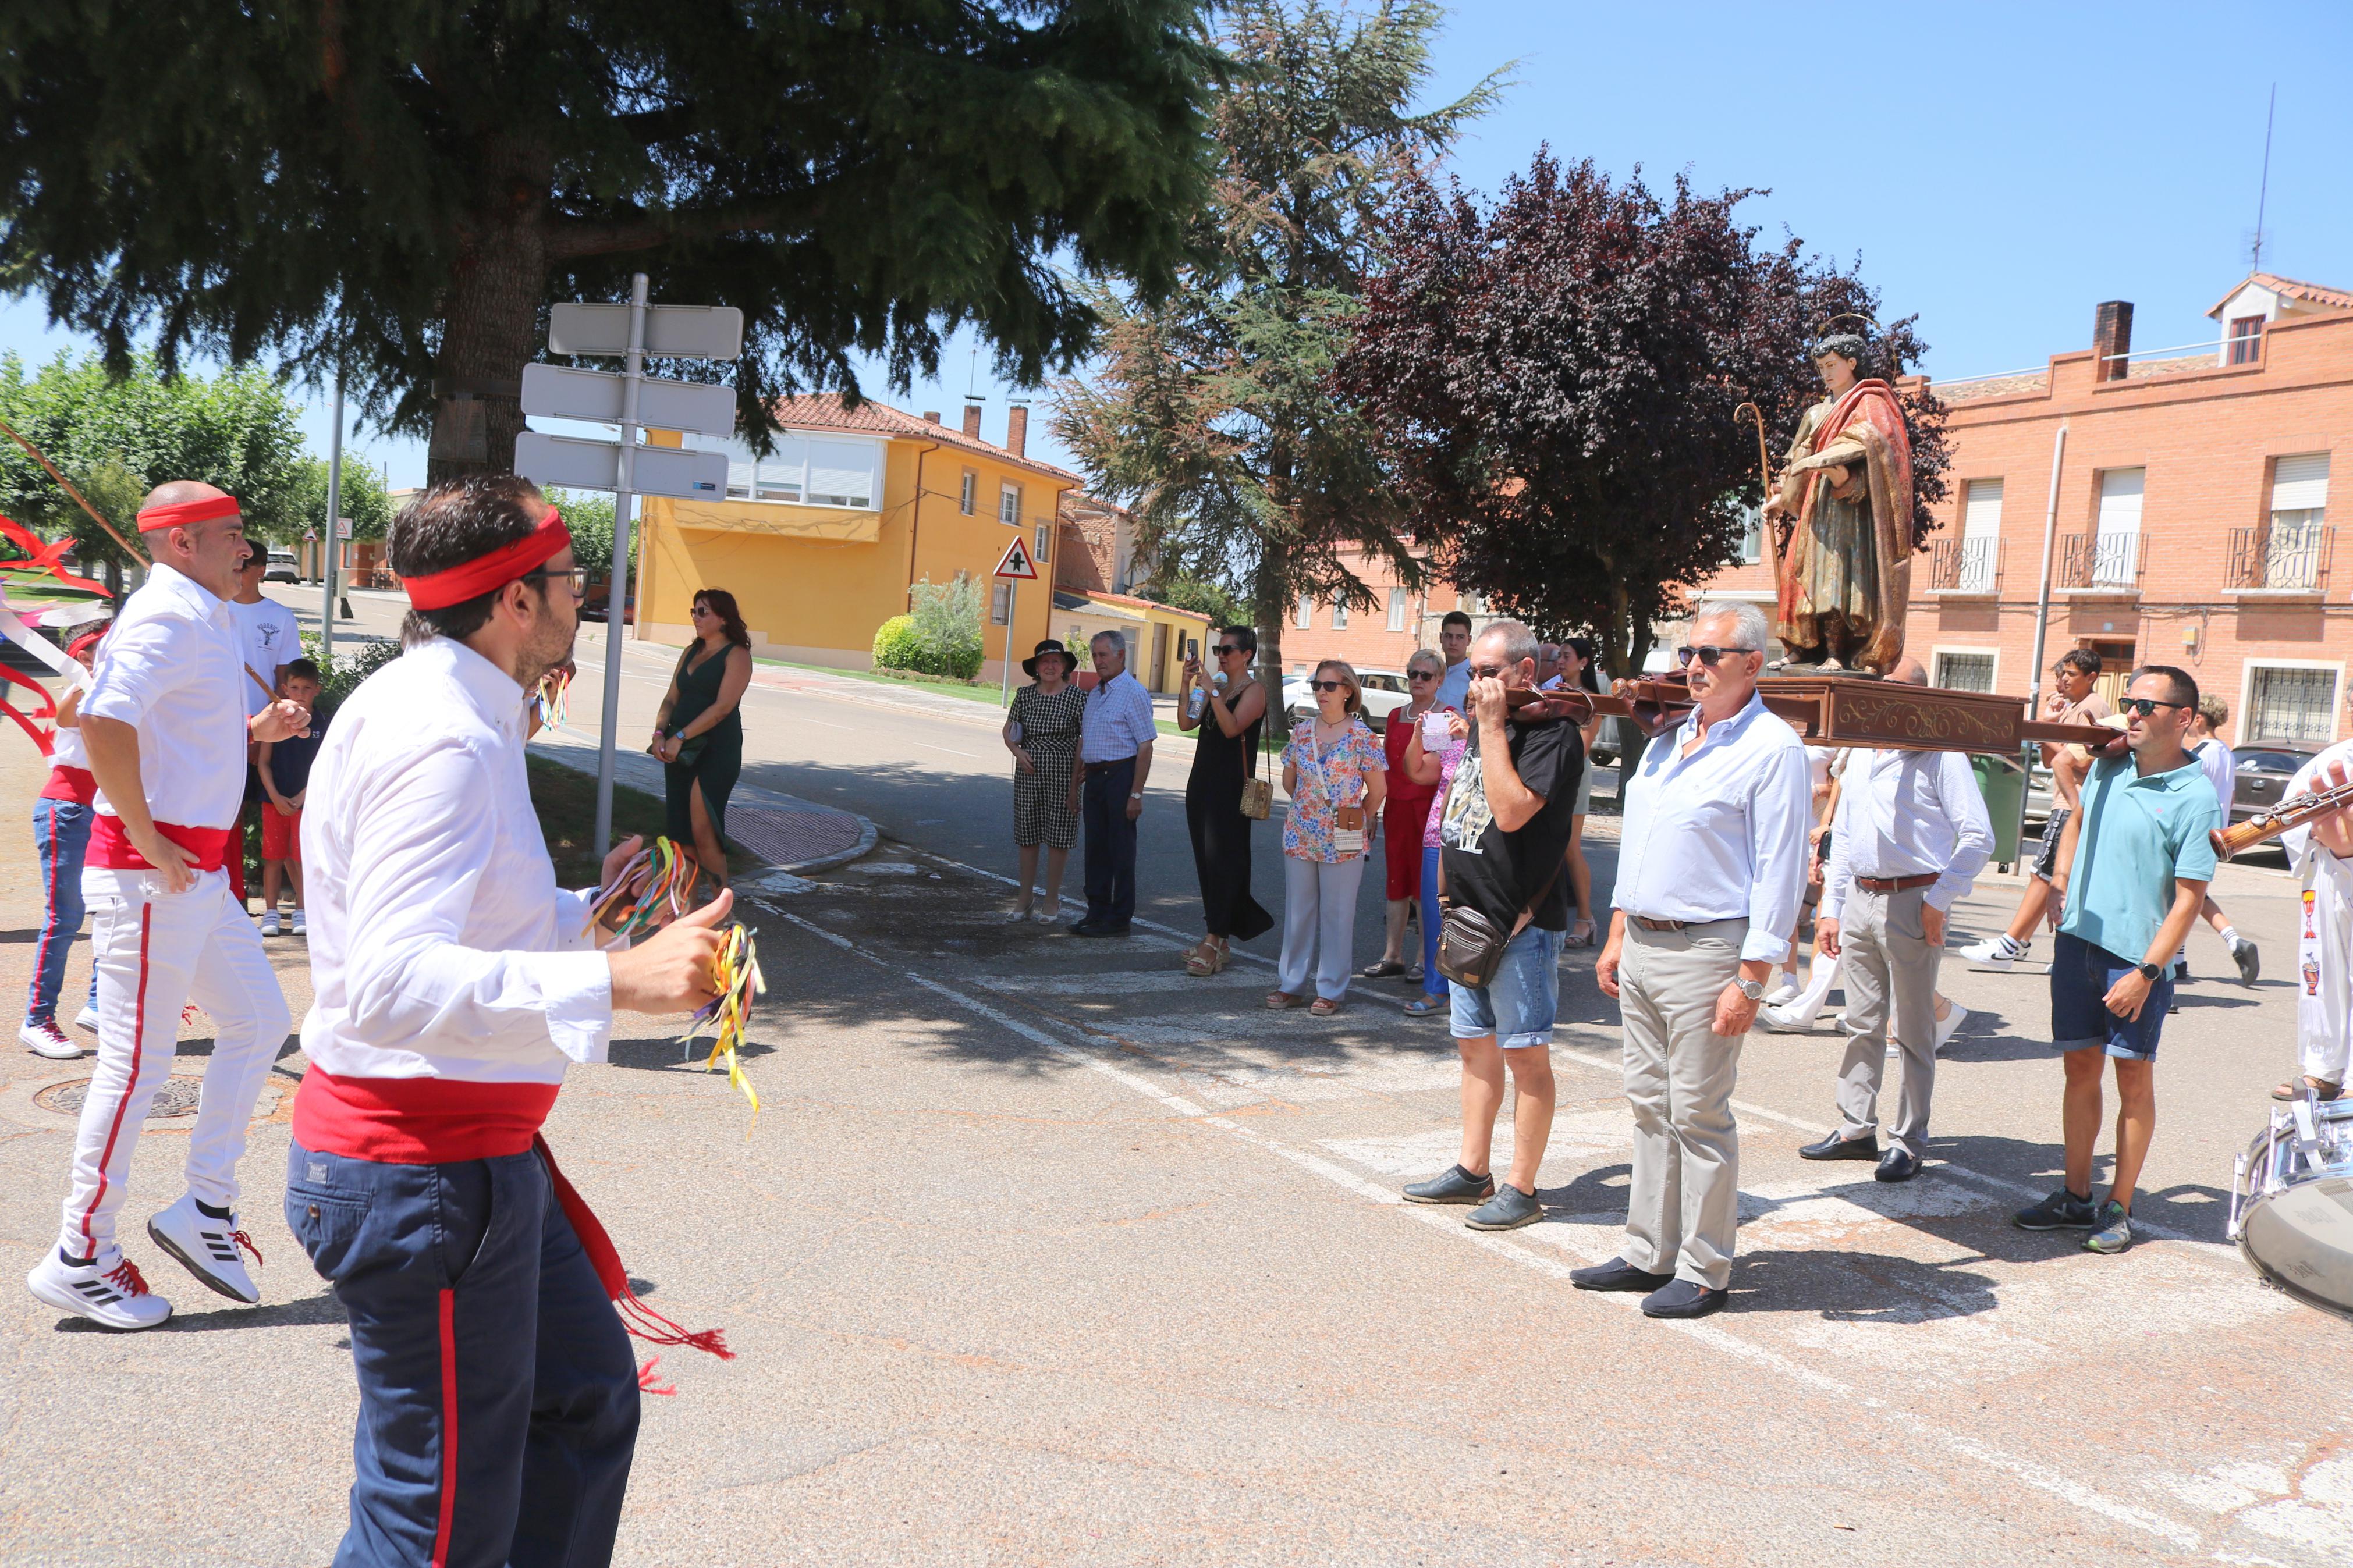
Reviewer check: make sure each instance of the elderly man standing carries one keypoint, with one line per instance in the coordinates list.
(1712, 859)
(1115, 736)
(1910, 836)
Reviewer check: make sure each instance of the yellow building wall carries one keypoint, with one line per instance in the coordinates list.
(819, 600)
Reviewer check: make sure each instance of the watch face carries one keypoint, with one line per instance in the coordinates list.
(1752, 989)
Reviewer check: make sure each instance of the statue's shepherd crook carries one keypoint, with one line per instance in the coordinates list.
(1765, 476)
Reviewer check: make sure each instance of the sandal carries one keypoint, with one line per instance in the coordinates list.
(1201, 968)
(1582, 933)
(1323, 1007)
(1381, 970)
(1423, 1006)
(1276, 1001)
(2321, 1088)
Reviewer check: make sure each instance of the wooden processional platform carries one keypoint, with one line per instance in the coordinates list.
(1856, 711)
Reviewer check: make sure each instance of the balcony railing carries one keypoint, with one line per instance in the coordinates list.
(2100, 561)
(1966, 566)
(2281, 557)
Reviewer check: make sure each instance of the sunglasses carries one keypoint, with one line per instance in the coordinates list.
(1706, 656)
(1489, 671)
(1224, 648)
(1329, 685)
(2146, 707)
(1419, 675)
(578, 577)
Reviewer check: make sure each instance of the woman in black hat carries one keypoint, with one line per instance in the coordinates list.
(1043, 733)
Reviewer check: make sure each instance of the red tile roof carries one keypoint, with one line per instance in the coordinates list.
(2310, 293)
(825, 411)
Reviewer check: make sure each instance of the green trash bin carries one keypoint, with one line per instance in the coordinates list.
(2002, 782)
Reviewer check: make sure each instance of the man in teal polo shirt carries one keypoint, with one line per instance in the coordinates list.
(2133, 870)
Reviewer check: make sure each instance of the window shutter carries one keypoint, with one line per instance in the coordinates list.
(1396, 609)
(2120, 495)
(1982, 511)
(2300, 483)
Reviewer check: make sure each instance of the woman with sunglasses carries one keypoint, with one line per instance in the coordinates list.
(1335, 773)
(1406, 813)
(699, 730)
(1232, 708)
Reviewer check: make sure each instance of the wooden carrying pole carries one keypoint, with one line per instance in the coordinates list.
(1764, 478)
(64, 484)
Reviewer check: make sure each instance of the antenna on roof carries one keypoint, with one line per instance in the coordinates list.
(972, 375)
(2262, 195)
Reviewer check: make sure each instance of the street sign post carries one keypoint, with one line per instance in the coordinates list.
(629, 400)
(1016, 567)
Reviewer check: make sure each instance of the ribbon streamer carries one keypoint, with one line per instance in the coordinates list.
(662, 874)
(735, 976)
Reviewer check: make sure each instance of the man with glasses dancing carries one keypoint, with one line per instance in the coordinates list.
(2132, 874)
(1712, 859)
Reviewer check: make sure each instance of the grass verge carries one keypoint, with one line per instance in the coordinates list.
(988, 694)
(566, 799)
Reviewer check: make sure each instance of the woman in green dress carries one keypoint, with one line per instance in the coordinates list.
(699, 731)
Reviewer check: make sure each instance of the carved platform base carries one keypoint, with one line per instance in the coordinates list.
(1863, 710)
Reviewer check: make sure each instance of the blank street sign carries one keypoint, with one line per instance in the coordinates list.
(576, 465)
(672, 331)
(555, 392)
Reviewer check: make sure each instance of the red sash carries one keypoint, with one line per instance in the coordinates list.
(111, 847)
(70, 783)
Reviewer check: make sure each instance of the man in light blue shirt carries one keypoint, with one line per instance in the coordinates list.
(2132, 872)
(1454, 642)
(1116, 735)
(1711, 864)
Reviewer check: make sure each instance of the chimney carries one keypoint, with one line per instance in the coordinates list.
(1017, 428)
(931, 416)
(972, 417)
(2111, 339)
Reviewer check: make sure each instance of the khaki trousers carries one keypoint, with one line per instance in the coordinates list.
(1684, 1203)
(1888, 963)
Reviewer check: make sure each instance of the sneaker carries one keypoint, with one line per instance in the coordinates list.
(1509, 1209)
(1999, 954)
(2181, 972)
(2250, 961)
(1785, 1021)
(1789, 991)
(298, 922)
(269, 923)
(88, 1017)
(2115, 1234)
(115, 1297)
(46, 1040)
(2062, 1210)
(1949, 1025)
(1456, 1186)
(207, 1247)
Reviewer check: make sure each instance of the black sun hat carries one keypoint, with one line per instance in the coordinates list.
(1051, 644)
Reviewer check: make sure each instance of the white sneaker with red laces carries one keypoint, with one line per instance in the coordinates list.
(49, 1040)
(107, 1291)
(207, 1247)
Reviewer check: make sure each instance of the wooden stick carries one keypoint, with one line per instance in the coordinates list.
(1765, 475)
(63, 483)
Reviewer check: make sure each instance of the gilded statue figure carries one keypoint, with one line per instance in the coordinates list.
(1844, 507)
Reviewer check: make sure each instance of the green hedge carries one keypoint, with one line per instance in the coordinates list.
(897, 645)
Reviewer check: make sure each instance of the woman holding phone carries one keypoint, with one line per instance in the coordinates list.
(1335, 773)
(1231, 706)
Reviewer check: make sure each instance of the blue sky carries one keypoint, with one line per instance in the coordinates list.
(1999, 168)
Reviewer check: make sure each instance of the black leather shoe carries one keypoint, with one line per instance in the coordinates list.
(1837, 1148)
(1682, 1298)
(1082, 927)
(1898, 1165)
(1617, 1275)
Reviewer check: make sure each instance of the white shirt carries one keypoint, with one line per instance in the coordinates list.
(2308, 778)
(1117, 722)
(270, 636)
(1908, 814)
(171, 667)
(2222, 765)
(440, 946)
(1454, 687)
(1721, 834)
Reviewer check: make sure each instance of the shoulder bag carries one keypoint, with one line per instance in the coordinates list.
(1258, 793)
(1470, 945)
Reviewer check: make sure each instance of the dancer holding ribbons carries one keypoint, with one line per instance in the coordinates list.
(455, 984)
(165, 728)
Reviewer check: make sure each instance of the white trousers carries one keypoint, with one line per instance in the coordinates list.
(2324, 944)
(1319, 925)
(155, 953)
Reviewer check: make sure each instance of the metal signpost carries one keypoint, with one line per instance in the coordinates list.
(629, 331)
(1016, 567)
(327, 558)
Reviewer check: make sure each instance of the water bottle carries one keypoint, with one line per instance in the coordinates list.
(1199, 701)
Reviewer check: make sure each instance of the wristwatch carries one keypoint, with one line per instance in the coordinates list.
(1752, 989)
(1135, 794)
(2151, 972)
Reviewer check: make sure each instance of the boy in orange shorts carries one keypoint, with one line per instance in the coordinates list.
(285, 768)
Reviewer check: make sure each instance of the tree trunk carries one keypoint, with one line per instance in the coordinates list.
(490, 329)
(1268, 592)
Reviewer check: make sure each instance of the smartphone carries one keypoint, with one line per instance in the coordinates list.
(1193, 647)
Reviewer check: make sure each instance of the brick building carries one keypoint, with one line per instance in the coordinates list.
(2192, 526)
(1381, 638)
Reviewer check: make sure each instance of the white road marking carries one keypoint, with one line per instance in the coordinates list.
(2032, 1473)
(1184, 938)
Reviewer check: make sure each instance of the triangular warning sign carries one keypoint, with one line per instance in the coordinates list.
(1017, 561)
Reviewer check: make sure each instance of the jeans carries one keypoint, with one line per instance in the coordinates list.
(498, 1393)
(1432, 983)
(1520, 1000)
(1111, 844)
(60, 839)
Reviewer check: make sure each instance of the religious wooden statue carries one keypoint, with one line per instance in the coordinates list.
(1845, 502)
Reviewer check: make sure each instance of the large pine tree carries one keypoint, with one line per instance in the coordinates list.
(397, 188)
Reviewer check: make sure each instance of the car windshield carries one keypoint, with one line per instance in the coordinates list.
(2272, 762)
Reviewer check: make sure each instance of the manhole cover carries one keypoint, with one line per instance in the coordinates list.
(178, 1097)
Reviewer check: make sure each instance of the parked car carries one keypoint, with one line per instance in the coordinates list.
(1384, 691)
(2262, 776)
(280, 568)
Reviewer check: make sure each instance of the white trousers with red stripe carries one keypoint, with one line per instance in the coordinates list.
(155, 953)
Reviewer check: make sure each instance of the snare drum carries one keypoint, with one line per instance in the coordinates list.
(2292, 1203)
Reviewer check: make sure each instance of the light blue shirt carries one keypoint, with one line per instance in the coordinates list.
(2136, 834)
(1454, 687)
(1908, 814)
(1118, 721)
(1721, 834)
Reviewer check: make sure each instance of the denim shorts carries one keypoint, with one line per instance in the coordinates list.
(1517, 1005)
(2046, 854)
(2081, 975)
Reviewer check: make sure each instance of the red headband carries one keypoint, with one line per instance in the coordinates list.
(440, 590)
(186, 513)
(85, 642)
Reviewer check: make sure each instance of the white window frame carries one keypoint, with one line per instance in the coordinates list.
(1340, 610)
(1045, 536)
(1937, 652)
(783, 474)
(969, 495)
(1396, 609)
(1303, 613)
(1752, 535)
(1008, 503)
(2245, 711)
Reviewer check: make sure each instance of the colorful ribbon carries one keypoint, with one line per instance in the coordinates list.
(52, 596)
(735, 976)
(662, 873)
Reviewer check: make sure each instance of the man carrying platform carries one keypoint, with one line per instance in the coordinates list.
(455, 984)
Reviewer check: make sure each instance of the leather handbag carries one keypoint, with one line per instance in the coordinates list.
(1258, 793)
(1470, 945)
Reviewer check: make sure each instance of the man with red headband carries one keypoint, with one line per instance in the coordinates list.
(455, 984)
(165, 726)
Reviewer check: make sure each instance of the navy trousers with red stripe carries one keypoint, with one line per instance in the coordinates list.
(498, 1391)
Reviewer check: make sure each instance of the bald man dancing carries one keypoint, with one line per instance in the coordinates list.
(165, 728)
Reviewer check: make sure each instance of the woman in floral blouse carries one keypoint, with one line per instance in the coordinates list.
(1333, 763)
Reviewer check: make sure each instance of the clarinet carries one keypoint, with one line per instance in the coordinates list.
(2267, 825)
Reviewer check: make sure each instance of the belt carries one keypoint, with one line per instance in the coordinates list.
(1895, 884)
(1090, 769)
(1647, 924)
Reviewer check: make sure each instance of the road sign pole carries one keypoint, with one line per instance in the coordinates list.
(1012, 592)
(334, 510)
(616, 593)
